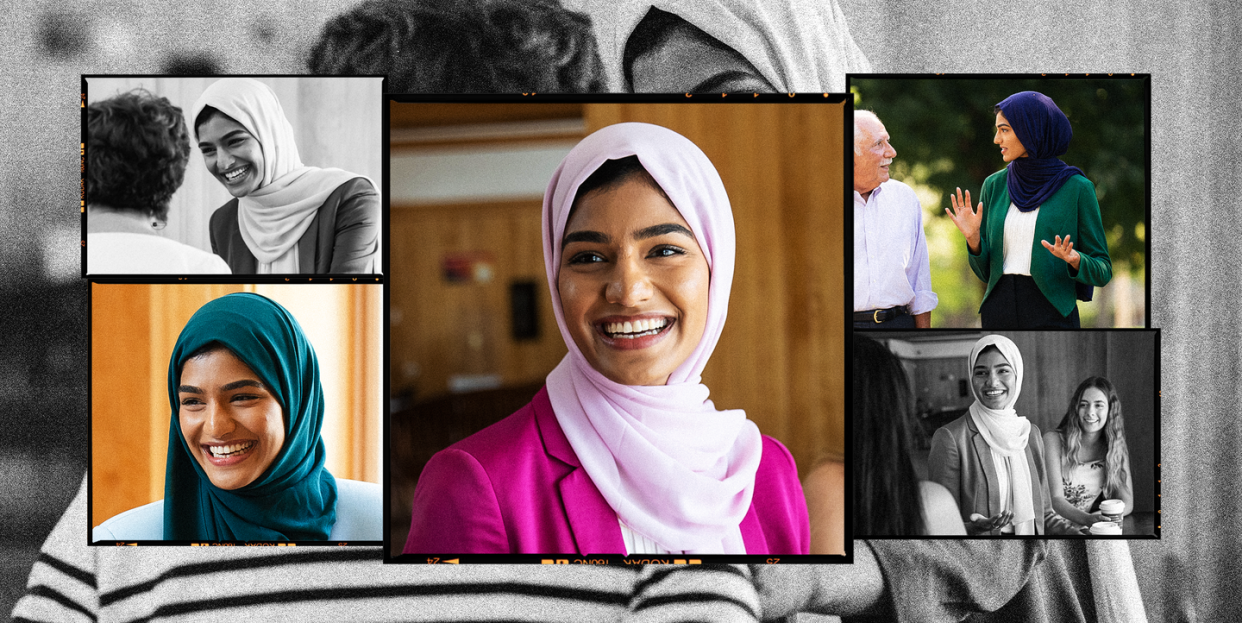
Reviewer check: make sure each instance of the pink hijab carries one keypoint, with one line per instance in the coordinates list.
(673, 467)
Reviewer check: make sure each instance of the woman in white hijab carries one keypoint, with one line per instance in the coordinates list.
(723, 45)
(991, 459)
(285, 217)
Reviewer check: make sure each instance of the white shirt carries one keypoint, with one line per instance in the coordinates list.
(636, 543)
(1019, 240)
(891, 267)
(139, 254)
(359, 517)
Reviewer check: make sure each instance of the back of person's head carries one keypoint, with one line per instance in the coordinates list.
(887, 500)
(463, 46)
(137, 148)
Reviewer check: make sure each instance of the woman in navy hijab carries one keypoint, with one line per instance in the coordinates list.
(1036, 237)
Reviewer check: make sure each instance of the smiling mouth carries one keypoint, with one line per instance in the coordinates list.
(230, 450)
(993, 393)
(636, 329)
(235, 174)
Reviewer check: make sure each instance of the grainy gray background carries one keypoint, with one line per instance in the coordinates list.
(1191, 50)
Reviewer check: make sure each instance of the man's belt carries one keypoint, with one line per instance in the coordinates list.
(877, 316)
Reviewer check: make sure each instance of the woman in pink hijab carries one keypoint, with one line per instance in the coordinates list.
(622, 452)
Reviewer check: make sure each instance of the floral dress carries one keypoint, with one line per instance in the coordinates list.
(1084, 484)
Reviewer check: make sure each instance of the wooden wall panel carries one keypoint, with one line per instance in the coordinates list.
(440, 329)
(133, 330)
(780, 356)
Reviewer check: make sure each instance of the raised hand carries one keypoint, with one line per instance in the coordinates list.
(1063, 249)
(968, 221)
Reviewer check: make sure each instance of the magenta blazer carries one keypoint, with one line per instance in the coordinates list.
(517, 487)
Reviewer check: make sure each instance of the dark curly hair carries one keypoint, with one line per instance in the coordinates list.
(465, 46)
(137, 148)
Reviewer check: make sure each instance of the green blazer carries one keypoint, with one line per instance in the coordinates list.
(1072, 210)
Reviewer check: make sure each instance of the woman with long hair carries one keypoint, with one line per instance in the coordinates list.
(889, 499)
(1086, 455)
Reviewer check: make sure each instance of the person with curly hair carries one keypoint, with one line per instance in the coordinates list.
(137, 148)
(1086, 455)
(471, 46)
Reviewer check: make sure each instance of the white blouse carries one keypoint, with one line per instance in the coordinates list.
(1019, 240)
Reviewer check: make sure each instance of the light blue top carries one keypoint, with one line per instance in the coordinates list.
(359, 517)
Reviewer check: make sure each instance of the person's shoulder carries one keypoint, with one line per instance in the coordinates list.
(514, 431)
(1078, 186)
(518, 438)
(144, 523)
(775, 454)
(897, 189)
(940, 512)
(1079, 182)
(353, 190)
(358, 493)
(957, 427)
(827, 477)
(359, 511)
(359, 186)
(224, 215)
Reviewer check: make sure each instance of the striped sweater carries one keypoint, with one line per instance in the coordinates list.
(74, 582)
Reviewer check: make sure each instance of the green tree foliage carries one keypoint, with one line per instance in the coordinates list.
(942, 129)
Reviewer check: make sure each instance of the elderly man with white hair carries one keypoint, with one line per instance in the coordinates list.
(892, 275)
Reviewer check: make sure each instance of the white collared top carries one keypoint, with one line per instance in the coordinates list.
(891, 266)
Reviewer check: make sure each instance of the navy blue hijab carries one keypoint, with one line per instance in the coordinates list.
(295, 498)
(1045, 132)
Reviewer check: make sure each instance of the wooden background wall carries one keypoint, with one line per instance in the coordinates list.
(780, 357)
(133, 330)
(336, 123)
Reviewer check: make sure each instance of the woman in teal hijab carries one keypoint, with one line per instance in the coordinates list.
(245, 456)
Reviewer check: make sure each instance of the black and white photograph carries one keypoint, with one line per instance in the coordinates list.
(232, 175)
(982, 434)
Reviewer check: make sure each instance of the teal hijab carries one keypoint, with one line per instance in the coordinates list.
(295, 498)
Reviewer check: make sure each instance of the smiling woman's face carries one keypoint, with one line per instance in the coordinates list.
(688, 60)
(993, 379)
(232, 424)
(633, 283)
(1093, 410)
(233, 156)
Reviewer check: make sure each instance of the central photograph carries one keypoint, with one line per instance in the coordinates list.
(617, 329)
